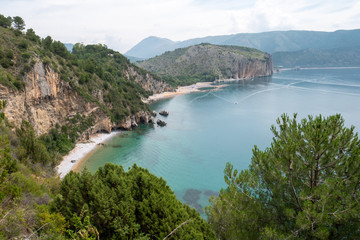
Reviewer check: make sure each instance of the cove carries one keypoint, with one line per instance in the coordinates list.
(205, 130)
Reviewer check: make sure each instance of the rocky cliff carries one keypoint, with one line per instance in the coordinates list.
(48, 100)
(148, 82)
(206, 62)
(45, 100)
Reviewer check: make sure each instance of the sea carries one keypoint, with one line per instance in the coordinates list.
(205, 130)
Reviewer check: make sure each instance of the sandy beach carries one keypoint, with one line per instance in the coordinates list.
(80, 151)
(183, 90)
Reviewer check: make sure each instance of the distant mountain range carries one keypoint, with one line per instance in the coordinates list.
(337, 57)
(305, 42)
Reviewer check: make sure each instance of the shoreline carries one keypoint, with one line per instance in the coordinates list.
(183, 90)
(81, 150)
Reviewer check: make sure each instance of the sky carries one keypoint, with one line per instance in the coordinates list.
(121, 24)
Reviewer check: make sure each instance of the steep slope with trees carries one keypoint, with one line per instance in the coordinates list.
(72, 94)
(206, 62)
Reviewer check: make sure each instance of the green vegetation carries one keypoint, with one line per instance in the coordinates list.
(26, 185)
(63, 139)
(34, 204)
(201, 63)
(126, 205)
(305, 186)
(98, 68)
(110, 204)
(100, 75)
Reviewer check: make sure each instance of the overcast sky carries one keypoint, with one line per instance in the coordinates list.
(120, 24)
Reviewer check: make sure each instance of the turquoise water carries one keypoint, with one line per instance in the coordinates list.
(206, 130)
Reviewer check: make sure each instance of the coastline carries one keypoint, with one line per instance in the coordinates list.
(81, 150)
(183, 90)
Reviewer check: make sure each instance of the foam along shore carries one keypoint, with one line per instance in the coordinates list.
(80, 151)
(182, 90)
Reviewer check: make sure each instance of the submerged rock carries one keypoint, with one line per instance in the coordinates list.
(191, 197)
(161, 123)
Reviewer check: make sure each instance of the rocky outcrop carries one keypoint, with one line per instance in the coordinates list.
(164, 113)
(161, 123)
(47, 100)
(148, 82)
(142, 117)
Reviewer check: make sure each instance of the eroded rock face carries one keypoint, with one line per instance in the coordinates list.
(48, 100)
(148, 82)
(142, 117)
(45, 101)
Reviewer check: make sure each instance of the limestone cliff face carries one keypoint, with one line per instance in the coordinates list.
(251, 68)
(48, 100)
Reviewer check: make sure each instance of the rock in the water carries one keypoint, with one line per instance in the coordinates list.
(161, 123)
(164, 113)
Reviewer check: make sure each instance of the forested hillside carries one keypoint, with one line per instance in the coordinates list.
(207, 62)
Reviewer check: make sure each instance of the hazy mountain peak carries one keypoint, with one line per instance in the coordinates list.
(270, 42)
(150, 46)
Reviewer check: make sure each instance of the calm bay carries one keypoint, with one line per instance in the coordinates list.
(205, 130)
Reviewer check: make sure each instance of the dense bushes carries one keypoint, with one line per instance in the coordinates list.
(62, 139)
(126, 205)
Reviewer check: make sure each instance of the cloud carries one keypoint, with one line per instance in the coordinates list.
(121, 24)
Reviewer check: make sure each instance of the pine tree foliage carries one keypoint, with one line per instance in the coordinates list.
(305, 186)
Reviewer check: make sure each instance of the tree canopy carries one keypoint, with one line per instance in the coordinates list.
(114, 204)
(5, 21)
(19, 23)
(305, 186)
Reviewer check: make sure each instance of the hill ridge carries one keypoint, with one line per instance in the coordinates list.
(273, 41)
